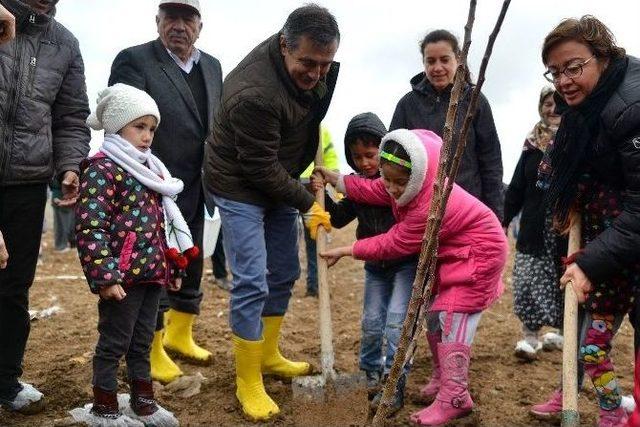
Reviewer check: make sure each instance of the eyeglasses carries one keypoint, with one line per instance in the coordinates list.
(572, 71)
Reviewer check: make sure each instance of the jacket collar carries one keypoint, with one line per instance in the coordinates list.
(420, 84)
(174, 74)
(27, 20)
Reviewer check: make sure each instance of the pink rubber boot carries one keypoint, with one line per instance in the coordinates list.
(550, 409)
(453, 399)
(429, 391)
(616, 418)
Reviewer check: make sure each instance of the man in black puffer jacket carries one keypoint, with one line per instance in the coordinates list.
(42, 135)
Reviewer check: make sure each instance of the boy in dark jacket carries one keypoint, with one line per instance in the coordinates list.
(387, 284)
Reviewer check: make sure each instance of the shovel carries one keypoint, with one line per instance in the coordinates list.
(318, 388)
(570, 414)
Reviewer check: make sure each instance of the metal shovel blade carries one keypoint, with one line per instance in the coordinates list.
(317, 388)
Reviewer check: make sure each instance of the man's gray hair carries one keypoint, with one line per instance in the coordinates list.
(313, 21)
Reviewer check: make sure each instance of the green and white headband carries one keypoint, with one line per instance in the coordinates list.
(395, 159)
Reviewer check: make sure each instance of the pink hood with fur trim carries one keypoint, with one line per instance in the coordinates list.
(472, 247)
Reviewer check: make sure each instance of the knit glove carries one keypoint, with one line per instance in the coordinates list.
(315, 217)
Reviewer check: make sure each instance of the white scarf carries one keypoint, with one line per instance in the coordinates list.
(156, 177)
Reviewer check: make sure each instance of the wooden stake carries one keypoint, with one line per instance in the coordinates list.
(570, 414)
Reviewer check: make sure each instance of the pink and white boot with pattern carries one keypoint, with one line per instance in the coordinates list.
(453, 399)
(430, 390)
(616, 418)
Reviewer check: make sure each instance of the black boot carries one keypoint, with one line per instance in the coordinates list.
(398, 396)
(373, 382)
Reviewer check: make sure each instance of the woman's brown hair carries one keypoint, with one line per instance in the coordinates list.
(587, 30)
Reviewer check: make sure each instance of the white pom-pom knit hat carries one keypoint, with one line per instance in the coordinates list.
(119, 105)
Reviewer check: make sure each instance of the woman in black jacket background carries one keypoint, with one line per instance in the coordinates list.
(425, 107)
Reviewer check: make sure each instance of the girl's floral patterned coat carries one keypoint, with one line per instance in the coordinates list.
(119, 228)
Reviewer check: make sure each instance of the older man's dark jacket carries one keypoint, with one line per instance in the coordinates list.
(266, 131)
(43, 100)
(180, 138)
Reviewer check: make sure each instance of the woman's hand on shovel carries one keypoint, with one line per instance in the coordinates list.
(579, 281)
(333, 255)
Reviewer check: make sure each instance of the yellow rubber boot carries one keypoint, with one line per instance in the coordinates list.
(255, 402)
(178, 337)
(163, 369)
(273, 363)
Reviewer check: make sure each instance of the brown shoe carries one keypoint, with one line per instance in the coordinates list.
(142, 401)
(105, 403)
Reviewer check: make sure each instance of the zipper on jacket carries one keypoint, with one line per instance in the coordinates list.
(33, 62)
(32, 18)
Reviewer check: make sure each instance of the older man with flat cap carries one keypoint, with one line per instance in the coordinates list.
(186, 84)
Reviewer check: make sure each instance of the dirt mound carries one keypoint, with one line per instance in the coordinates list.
(58, 358)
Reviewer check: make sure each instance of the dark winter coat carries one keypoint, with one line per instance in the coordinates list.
(522, 195)
(617, 247)
(43, 100)
(180, 139)
(372, 220)
(119, 228)
(266, 131)
(480, 171)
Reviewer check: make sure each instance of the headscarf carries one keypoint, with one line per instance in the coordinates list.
(542, 133)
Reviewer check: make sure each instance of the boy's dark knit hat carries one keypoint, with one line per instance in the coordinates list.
(368, 123)
(365, 123)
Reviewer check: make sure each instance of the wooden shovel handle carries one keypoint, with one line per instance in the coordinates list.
(570, 414)
(324, 294)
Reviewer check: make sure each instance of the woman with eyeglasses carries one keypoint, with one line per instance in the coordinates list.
(537, 299)
(594, 168)
(425, 107)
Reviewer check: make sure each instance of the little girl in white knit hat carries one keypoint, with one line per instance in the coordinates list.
(132, 241)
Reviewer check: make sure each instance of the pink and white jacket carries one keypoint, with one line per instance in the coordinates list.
(472, 244)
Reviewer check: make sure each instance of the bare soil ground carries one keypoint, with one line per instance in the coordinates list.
(58, 358)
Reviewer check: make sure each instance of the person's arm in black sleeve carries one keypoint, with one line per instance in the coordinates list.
(125, 70)
(342, 212)
(71, 135)
(399, 119)
(514, 196)
(257, 137)
(618, 246)
(489, 157)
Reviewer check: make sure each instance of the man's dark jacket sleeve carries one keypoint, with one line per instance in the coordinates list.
(69, 113)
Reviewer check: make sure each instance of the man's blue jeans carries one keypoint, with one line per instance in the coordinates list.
(387, 292)
(312, 262)
(261, 245)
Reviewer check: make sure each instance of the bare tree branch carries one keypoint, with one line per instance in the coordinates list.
(447, 171)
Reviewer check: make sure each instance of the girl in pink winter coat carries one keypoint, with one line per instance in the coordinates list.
(471, 255)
